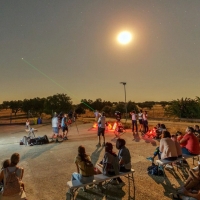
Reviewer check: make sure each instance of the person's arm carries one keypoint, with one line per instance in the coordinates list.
(194, 195)
(120, 156)
(194, 174)
(22, 172)
(78, 170)
(161, 148)
(184, 139)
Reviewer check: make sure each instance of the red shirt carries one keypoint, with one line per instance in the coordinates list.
(179, 138)
(192, 143)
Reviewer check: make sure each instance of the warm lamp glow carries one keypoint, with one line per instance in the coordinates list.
(124, 37)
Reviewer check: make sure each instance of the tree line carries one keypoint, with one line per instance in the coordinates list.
(182, 108)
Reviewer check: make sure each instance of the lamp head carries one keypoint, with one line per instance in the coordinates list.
(124, 83)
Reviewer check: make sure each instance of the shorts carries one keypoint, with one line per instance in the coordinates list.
(101, 131)
(140, 121)
(64, 128)
(55, 130)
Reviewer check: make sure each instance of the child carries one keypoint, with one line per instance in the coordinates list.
(179, 137)
(5, 164)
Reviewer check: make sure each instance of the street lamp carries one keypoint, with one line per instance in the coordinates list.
(124, 83)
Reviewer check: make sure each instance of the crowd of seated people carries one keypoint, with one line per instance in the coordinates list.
(169, 148)
(156, 132)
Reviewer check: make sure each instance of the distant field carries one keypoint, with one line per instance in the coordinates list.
(7, 117)
(156, 115)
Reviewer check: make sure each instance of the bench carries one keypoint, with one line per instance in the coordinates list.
(99, 178)
(162, 163)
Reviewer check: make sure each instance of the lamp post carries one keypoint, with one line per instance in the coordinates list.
(124, 83)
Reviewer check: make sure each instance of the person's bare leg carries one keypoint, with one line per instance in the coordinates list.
(99, 167)
(104, 141)
(66, 133)
(99, 140)
(190, 183)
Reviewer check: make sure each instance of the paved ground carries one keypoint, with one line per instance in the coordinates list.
(49, 167)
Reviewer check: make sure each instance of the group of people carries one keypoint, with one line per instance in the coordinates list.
(60, 125)
(143, 121)
(110, 165)
(11, 176)
(173, 147)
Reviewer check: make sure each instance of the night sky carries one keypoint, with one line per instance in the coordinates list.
(70, 46)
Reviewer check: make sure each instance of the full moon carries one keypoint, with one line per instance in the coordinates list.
(124, 37)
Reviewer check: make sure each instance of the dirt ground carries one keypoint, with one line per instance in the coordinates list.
(49, 167)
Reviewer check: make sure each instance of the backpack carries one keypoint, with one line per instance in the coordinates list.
(155, 170)
(13, 183)
(88, 168)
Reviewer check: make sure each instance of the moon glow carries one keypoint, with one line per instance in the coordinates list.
(124, 37)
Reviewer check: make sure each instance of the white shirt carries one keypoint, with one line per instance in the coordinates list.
(140, 115)
(144, 116)
(102, 121)
(134, 116)
(54, 122)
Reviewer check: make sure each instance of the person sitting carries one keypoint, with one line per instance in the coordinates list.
(118, 115)
(178, 146)
(191, 184)
(166, 150)
(167, 147)
(179, 136)
(159, 130)
(124, 157)
(186, 195)
(109, 166)
(190, 143)
(5, 164)
(196, 130)
(82, 174)
(15, 174)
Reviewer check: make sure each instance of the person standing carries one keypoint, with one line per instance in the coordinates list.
(101, 129)
(54, 122)
(64, 127)
(96, 115)
(134, 121)
(140, 117)
(145, 122)
(27, 124)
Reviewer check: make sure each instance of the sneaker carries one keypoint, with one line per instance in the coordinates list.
(84, 189)
(168, 166)
(98, 145)
(150, 159)
(103, 145)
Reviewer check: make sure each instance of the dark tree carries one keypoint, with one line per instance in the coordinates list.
(15, 106)
(58, 103)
